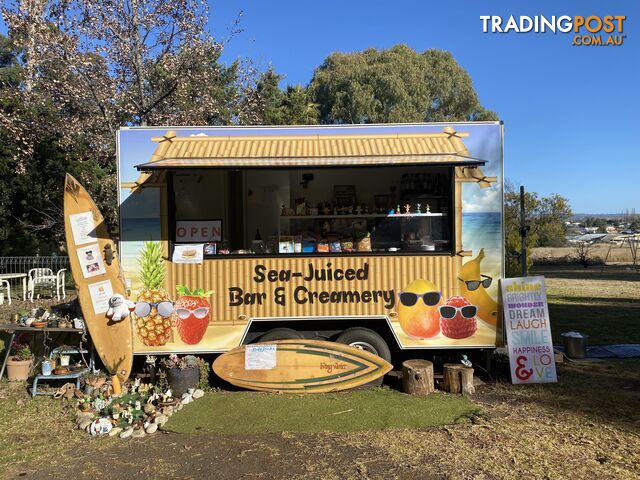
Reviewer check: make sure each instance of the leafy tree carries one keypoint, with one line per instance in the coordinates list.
(552, 213)
(512, 228)
(31, 192)
(599, 223)
(299, 107)
(545, 217)
(395, 85)
(73, 71)
(293, 106)
(271, 98)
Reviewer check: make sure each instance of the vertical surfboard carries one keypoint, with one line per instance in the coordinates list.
(96, 272)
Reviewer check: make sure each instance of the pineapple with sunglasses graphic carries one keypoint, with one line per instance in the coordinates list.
(193, 313)
(154, 309)
(418, 309)
(473, 286)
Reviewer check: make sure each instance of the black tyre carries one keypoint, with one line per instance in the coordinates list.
(369, 341)
(280, 334)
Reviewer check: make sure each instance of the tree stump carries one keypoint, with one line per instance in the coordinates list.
(458, 378)
(417, 377)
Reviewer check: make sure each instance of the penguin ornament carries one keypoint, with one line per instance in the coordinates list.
(119, 308)
(418, 312)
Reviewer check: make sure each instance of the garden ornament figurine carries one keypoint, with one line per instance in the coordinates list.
(465, 361)
(167, 395)
(119, 308)
(153, 397)
(68, 391)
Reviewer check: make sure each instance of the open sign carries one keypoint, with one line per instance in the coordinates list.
(198, 231)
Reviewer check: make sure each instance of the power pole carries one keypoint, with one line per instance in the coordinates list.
(524, 230)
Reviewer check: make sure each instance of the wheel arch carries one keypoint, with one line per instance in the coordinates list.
(322, 327)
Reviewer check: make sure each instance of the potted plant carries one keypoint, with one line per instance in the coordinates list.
(54, 358)
(182, 373)
(23, 313)
(65, 358)
(19, 363)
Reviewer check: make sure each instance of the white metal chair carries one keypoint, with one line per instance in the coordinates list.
(7, 285)
(60, 281)
(40, 276)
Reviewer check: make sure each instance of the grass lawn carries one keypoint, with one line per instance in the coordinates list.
(32, 429)
(252, 412)
(604, 306)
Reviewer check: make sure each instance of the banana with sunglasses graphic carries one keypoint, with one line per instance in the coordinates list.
(473, 287)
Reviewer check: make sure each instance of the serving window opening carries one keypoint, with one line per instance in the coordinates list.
(379, 210)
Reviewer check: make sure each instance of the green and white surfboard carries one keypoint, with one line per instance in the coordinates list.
(299, 366)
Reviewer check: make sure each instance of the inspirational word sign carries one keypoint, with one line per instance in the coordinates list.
(526, 320)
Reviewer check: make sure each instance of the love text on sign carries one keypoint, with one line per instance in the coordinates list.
(526, 319)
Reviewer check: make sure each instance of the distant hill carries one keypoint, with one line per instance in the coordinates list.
(581, 216)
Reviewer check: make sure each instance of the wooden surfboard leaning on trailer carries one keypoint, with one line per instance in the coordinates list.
(299, 366)
(96, 272)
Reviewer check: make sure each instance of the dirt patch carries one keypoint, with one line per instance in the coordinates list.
(586, 426)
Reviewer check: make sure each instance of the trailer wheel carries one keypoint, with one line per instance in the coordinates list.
(280, 334)
(367, 340)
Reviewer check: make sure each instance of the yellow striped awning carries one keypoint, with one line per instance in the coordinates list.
(202, 151)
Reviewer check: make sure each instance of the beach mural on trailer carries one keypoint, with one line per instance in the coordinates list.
(466, 319)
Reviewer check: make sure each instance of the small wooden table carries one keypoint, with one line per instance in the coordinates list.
(23, 276)
(14, 328)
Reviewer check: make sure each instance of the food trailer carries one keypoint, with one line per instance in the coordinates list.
(384, 237)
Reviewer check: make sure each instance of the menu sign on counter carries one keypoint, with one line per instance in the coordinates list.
(526, 320)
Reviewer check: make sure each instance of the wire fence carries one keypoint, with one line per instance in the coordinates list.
(16, 265)
(24, 264)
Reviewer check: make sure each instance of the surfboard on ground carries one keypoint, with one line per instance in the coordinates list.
(299, 366)
(96, 272)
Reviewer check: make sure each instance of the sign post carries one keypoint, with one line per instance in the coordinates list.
(526, 320)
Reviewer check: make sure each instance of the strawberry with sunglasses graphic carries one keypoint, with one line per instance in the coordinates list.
(192, 314)
(458, 318)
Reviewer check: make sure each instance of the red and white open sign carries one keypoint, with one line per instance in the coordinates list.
(198, 231)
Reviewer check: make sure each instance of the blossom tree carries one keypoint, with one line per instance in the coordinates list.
(88, 67)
